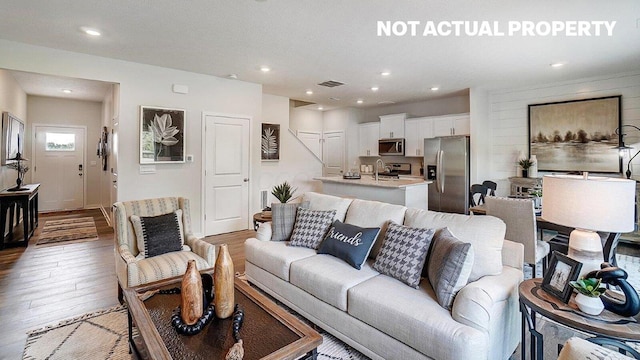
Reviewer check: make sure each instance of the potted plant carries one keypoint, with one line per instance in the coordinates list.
(525, 164)
(588, 297)
(283, 192)
(537, 196)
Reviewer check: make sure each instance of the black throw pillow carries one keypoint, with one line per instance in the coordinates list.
(349, 242)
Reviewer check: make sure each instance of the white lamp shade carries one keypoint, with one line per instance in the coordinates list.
(593, 203)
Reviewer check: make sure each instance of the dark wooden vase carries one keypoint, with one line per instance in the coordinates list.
(223, 283)
(191, 306)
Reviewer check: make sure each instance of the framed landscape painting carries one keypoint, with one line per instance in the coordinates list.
(162, 139)
(270, 142)
(577, 135)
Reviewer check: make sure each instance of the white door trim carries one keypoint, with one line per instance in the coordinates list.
(84, 153)
(204, 162)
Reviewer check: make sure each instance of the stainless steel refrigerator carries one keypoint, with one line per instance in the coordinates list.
(446, 163)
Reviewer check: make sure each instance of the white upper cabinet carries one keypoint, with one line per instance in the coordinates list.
(417, 129)
(392, 126)
(368, 136)
(451, 125)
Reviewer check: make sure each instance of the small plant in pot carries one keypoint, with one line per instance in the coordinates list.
(588, 297)
(283, 192)
(525, 164)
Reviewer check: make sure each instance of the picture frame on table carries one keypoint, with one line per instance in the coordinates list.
(562, 270)
(162, 135)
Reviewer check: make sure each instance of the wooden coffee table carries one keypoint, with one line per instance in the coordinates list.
(268, 332)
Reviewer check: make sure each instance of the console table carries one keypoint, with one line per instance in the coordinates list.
(520, 186)
(12, 202)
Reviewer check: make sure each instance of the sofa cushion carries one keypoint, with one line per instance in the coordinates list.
(157, 235)
(413, 317)
(448, 266)
(328, 278)
(328, 202)
(274, 257)
(484, 233)
(283, 219)
(349, 242)
(365, 213)
(403, 253)
(310, 228)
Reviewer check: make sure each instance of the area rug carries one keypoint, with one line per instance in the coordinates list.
(104, 335)
(68, 230)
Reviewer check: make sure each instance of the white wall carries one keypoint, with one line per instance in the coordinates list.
(105, 176)
(347, 120)
(509, 124)
(305, 119)
(150, 85)
(480, 135)
(297, 165)
(13, 100)
(59, 111)
(432, 107)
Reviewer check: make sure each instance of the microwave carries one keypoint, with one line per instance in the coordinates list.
(391, 147)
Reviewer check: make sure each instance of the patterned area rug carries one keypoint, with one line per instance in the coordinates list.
(68, 230)
(104, 335)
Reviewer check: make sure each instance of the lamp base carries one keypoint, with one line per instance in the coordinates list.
(585, 246)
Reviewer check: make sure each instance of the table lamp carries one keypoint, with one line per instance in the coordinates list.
(589, 204)
(623, 149)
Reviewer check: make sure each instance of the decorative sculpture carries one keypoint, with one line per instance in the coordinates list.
(617, 277)
(191, 306)
(223, 283)
(237, 351)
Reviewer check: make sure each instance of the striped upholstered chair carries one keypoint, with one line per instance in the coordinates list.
(132, 267)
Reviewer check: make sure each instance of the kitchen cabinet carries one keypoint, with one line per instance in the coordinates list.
(447, 125)
(392, 126)
(368, 136)
(416, 130)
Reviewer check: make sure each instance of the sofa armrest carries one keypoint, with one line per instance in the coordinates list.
(513, 254)
(202, 248)
(480, 302)
(126, 266)
(264, 231)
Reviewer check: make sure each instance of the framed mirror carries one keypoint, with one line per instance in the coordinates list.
(13, 136)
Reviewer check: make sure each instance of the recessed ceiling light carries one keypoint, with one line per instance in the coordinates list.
(320, 108)
(90, 31)
(557, 65)
(385, 73)
(309, 92)
(360, 101)
(374, 88)
(66, 91)
(265, 68)
(435, 88)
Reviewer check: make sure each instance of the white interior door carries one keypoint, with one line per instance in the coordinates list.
(226, 174)
(333, 153)
(312, 140)
(59, 167)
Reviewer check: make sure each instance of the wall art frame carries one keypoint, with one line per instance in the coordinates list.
(562, 270)
(13, 137)
(576, 135)
(270, 142)
(162, 135)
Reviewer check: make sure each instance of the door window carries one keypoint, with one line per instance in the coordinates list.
(60, 142)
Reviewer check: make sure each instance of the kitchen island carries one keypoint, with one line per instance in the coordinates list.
(410, 192)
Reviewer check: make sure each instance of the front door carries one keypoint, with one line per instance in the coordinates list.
(226, 174)
(59, 167)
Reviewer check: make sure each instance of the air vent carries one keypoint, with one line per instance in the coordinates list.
(331, 83)
(334, 99)
(386, 102)
(264, 194)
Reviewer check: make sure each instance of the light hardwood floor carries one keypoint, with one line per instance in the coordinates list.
(43, 285)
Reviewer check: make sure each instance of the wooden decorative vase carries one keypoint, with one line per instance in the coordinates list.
(191, 306)
(223, 283)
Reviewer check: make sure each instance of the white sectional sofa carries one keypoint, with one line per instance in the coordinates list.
(382, 317)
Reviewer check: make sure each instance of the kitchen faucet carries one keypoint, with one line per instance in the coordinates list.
(379, 161)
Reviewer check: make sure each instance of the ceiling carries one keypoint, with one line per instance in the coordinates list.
(52, 86)
(306, 42)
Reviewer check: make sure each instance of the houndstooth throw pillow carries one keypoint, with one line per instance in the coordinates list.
(403, 253)
(310, 228)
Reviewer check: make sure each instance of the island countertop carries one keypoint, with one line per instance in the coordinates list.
(367, 180)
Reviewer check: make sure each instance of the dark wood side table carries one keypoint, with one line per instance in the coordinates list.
(27, 200)
(607, 327)
(258, 219)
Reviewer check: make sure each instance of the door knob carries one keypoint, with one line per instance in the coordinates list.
(245, 179)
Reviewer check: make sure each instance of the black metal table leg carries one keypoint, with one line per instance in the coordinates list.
(537, 341)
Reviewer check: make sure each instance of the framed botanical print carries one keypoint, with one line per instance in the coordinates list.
(270, 142)
(162, 135)
(13, 136)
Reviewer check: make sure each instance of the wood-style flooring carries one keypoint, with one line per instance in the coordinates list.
(41, 285)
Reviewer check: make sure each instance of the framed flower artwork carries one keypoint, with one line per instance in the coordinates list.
(162, 135)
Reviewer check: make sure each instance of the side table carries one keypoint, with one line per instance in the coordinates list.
(258, 219)
(608, 328)
(27, 200)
